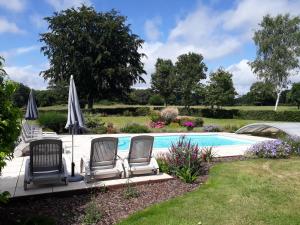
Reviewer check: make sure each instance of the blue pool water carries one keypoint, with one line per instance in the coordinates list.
(201, 140)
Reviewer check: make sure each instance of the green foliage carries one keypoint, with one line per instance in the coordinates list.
(207, 154)
(92, 213)
(135, 128)
(154, 116)
(220, 89)
(4, 197)
(45, 98)
(140, 96)
(219, 113)
(130, 191)
(269, 115)
(262, 93)
(53, 121)
(98, 49)
(199, 122)
(278, 50)
(20, 96)
(95, 124)
(142, 111)
(163, 79)
(10, 122)
(295, 94)
(190, 69)
(186, 174)
(156, 100)
(163, 164)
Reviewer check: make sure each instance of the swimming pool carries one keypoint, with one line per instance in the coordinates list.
(201, 140)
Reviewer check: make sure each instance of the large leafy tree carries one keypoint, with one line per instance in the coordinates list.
(98, 49)
(295, 94)
(163, 79)
(278, 51)
(20, 97)
(190, 70)
(220, 89)
(262, 93)
(9, 121)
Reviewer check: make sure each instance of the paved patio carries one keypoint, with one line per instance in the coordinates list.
(13, 174)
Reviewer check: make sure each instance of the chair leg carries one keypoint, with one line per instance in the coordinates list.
(25, 186)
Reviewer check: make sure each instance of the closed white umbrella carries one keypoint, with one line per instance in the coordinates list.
(75, 121)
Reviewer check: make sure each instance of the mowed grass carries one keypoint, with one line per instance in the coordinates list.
(121, 121)
(260, 192)
(280, 108)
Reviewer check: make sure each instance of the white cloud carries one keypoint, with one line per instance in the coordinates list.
(9, 27)
(38, 21)
(18, 51)
(28, 75)
(243, 77)
(216, 34)
(151, 28)
(13, 5)
(65, 4)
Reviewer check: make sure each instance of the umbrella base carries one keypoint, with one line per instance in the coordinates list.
(75, 178)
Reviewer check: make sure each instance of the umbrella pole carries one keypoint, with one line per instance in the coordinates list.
(73, 164)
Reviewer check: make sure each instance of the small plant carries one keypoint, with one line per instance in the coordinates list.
(189, 125)
(270, 149)
(135, 128)
(207, 154)
(92, 213)
(199, 122)
(162, 161)
(110, 129)
(130, 191)
(158, 124)
(184, 154)
(169, 114)
(187, 175)
(154, 116)
(212, 128)
(95, 124)
(4, 197)
(294, 142)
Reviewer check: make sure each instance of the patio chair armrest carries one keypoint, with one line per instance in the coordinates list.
(154, 163)
(66, 174)
(120, 167)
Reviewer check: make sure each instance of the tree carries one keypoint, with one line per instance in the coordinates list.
(220, 89)
(9, 121)
(262, 93)
(140, 96)
(98, 49)
(278, 50)
(295, 94)
(20, 97)
(162, 80)
(190, 69)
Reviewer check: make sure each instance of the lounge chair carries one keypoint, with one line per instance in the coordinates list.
(103, 162)
(33, 132)
(140, 160)
(46, 164)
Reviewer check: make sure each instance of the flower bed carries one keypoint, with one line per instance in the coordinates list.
(271, 149)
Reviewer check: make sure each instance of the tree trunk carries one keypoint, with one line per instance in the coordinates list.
(90, 101)
(277, 100)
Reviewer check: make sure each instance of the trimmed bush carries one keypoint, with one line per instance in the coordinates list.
(169, 114)
(219, 113)
(53, 121)
(154, 116)
(212, 128)
(199, 122)
(135, 128)
(142, 111)
(156, 100)
(270, 115)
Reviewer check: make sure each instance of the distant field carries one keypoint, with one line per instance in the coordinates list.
(280, 108)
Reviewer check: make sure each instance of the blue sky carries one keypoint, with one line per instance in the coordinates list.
(221, 30)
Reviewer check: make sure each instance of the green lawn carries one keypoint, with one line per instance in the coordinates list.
(121, 121)
(280, 108)
(244, 192)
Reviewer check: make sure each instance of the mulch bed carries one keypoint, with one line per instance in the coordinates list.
(111, 203)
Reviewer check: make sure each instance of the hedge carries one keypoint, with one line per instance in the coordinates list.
(269, 115)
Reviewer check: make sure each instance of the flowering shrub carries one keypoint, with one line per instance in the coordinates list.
(189, 124)
(294, 142)
(169, 114)
(271, 149)
(158, 124)
(212, 128)
(184, 154)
